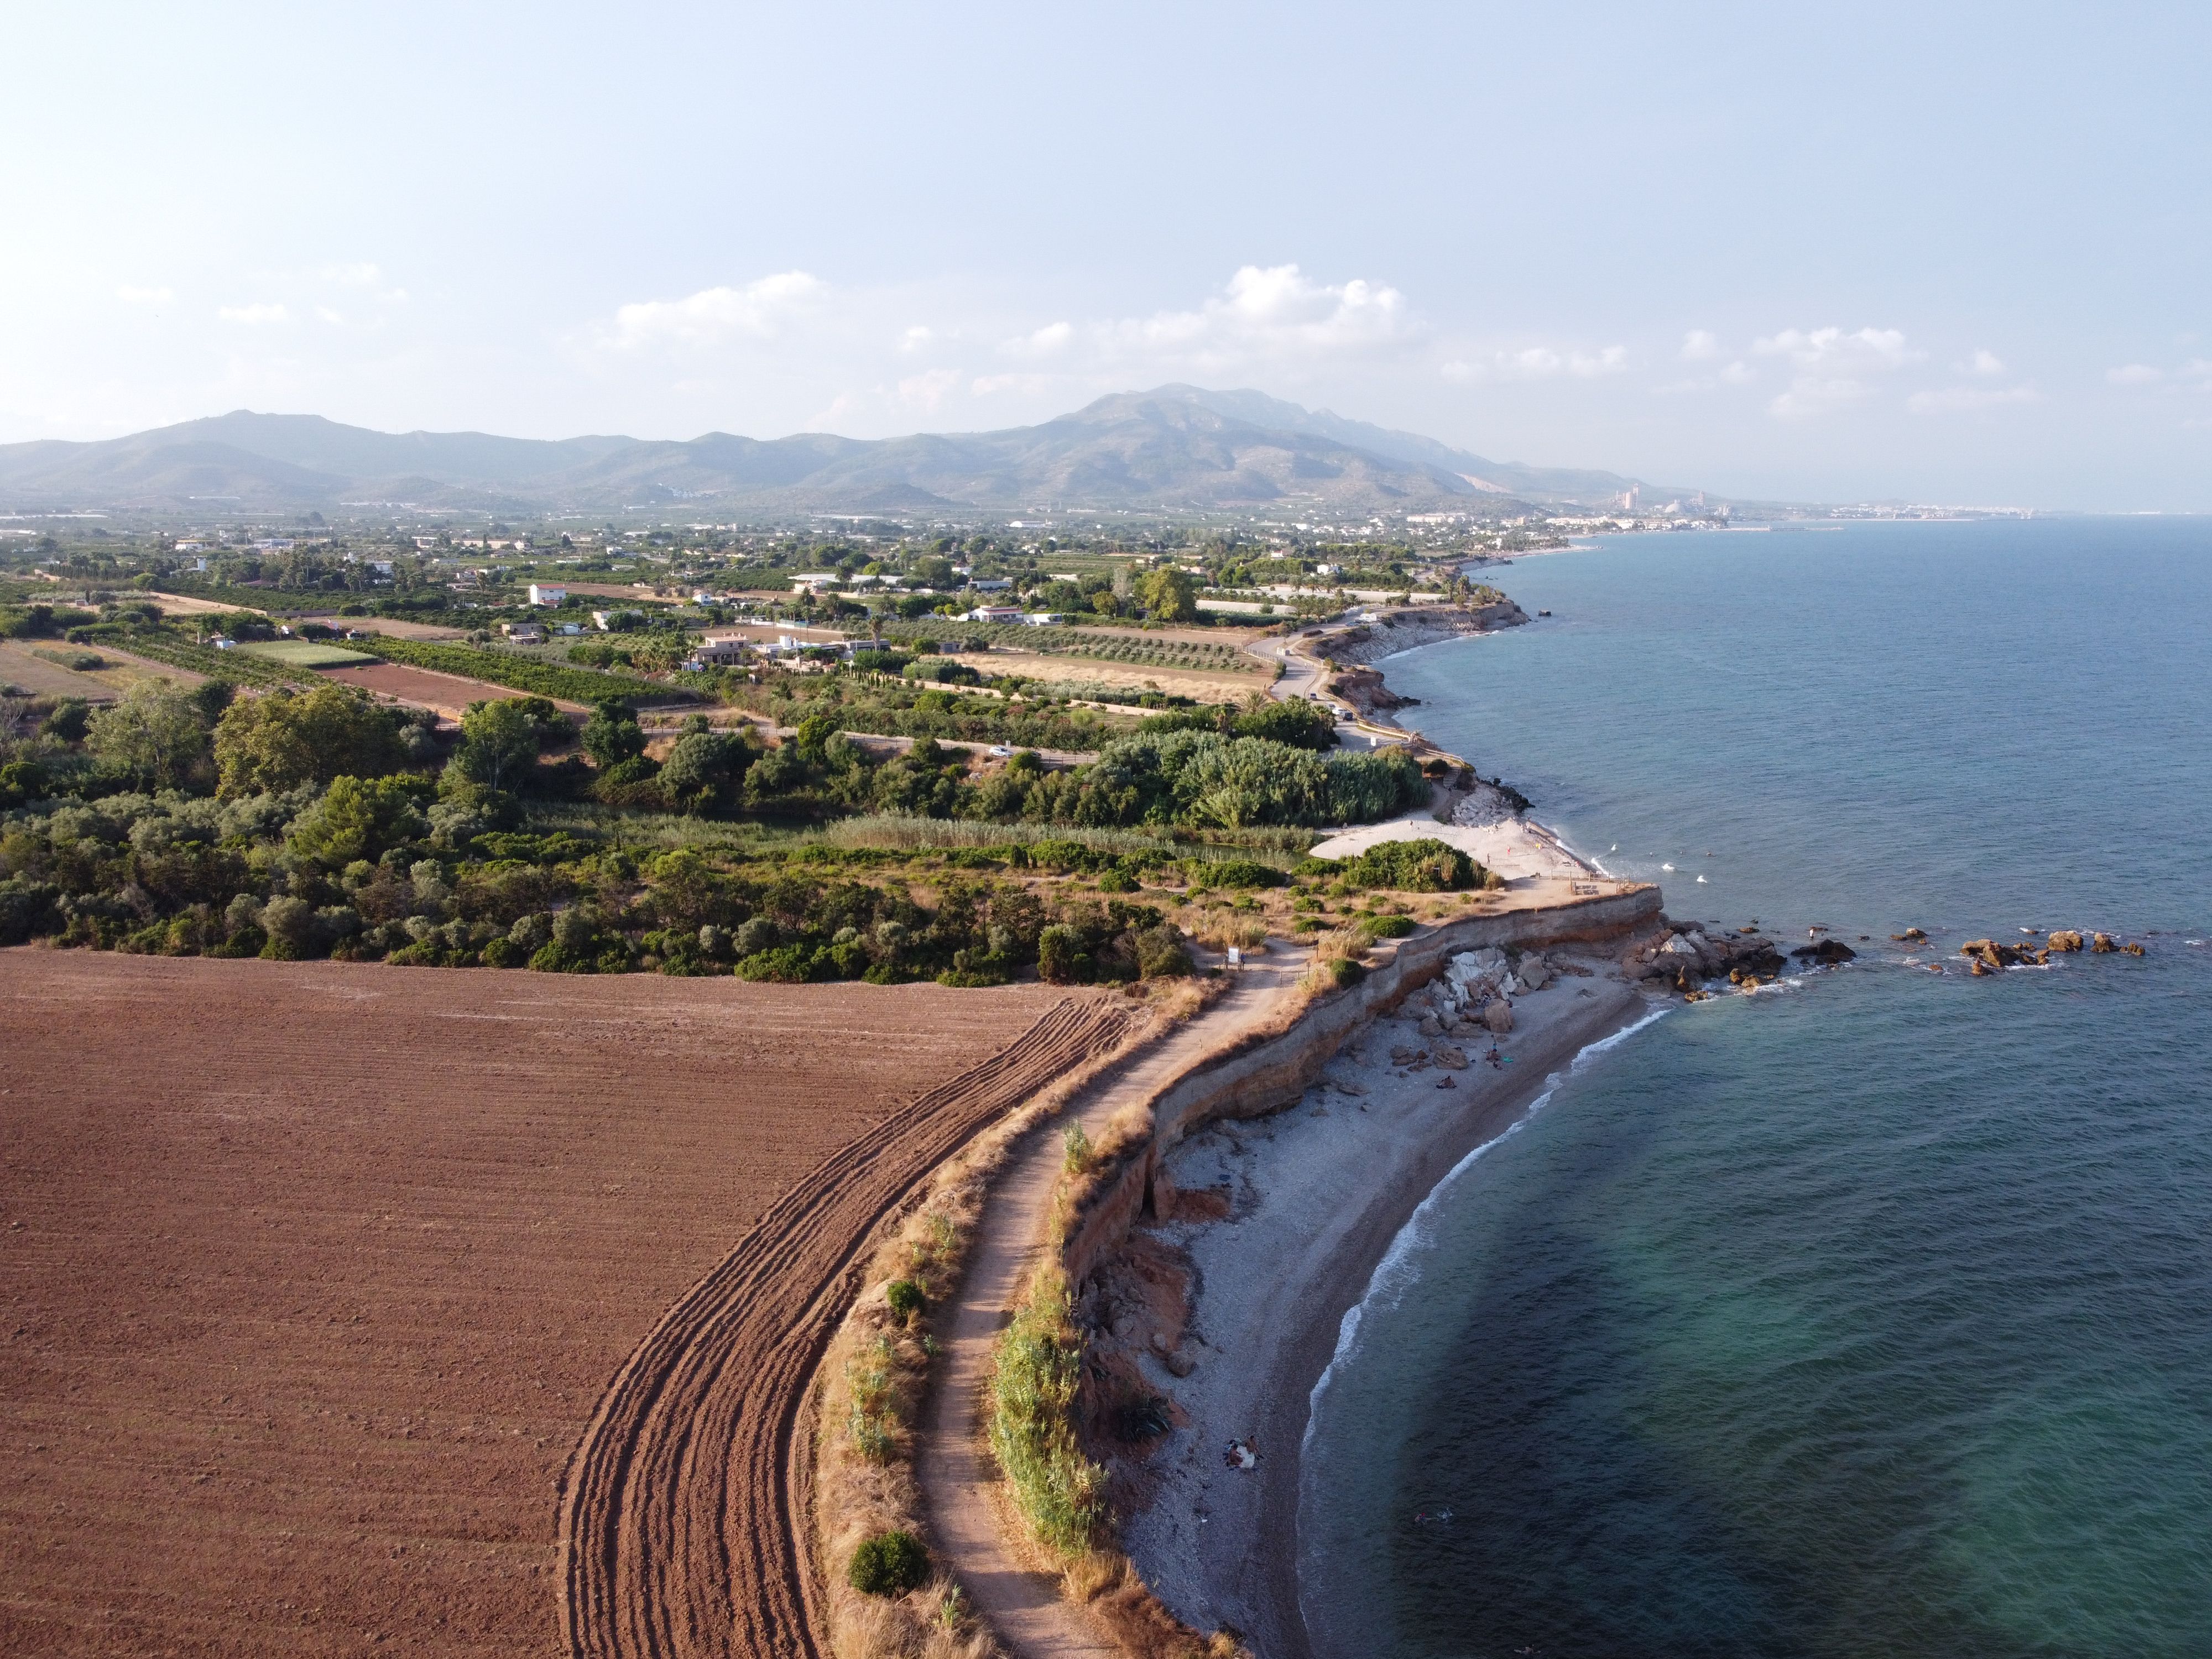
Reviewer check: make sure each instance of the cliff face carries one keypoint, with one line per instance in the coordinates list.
(1417, 625)
(1265, 1074)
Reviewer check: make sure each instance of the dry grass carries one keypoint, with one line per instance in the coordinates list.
(871, 1383)
(1101, 1578)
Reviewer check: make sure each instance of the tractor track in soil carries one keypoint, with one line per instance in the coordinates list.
(685, 1524)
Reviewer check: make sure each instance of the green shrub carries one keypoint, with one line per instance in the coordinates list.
(1233, 872)
(889, 1563)
(1426, 866)
(904, 1298)
(1061, 959)
(1039, 1369)
(1343, 973)
(1371, 928)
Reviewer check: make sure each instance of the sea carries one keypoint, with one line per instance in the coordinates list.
(1870, 1314)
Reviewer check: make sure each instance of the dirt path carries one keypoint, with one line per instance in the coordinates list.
(958, 1479)
(684, 1523)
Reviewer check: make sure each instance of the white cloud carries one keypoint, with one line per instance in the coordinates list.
(1050, 341)
(1540, 364)
(352, 275)
(1739, 373)
(1832, 367)
(714, 315)
(1700, 345)
(919, 337)
(143, 296)
(1985, 362)
(254, 315)
(2133, 374)
(1827, 349)
(1270, 314)
(1954, 399)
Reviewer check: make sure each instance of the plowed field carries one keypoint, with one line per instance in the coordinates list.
(314, 1277)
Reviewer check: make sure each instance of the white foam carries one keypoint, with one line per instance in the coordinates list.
(1398, 1271)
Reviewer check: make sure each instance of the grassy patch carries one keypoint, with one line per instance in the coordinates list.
(304, 653)
(1039, 1365)
(546, 679)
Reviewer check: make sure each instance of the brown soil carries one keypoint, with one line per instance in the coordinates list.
(313, 1276)
(448, 694)
(687, 1501)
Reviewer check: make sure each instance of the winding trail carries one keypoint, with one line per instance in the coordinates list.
(959, 1477)
(685, 1528)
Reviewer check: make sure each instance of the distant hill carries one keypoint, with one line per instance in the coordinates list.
(1178, 448)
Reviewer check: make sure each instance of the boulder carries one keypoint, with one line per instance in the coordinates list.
(1826, 953)
(1180, 1363)
(2102, 945)
(1431, 1027)
(1676, 945)
(1451, 1058)
(2065, 941)
(1535, 973)
(1498, 1016)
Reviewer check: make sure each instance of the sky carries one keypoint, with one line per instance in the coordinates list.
(1952, 253)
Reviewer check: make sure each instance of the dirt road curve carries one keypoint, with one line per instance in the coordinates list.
(684, 1523)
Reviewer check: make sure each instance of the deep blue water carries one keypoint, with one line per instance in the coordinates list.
(1873, 1316)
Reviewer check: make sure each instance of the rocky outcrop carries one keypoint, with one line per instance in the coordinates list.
(1988, 955)
(1365, 690)
(1409, 626)
(2063, 942)
(1826, 953)
(1685, 958)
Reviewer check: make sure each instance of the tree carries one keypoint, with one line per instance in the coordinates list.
(155, 733)
(358, 818)
(613, 734)
(499, 744)
(286, 738)
(1171, 595)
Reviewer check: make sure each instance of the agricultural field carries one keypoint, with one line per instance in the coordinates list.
(1205, 685)
(304, 653)
(448, 694)
(319, 1278)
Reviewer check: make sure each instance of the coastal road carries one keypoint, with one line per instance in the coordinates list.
(1303, 676)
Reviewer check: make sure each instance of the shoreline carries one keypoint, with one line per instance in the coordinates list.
(1320, 1196)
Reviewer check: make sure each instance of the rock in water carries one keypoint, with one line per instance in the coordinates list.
(2064, 941)
(2101, 944)
(1827, 952)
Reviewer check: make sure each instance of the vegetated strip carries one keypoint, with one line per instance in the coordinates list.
(545, 679)
(684, 1517)
(1131, 644)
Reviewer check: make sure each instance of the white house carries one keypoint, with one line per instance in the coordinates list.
(1043, 618)
(540, 593)
(723, 651)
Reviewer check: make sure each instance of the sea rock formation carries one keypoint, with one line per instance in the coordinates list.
(1827, 953)
(2063, 941)
(1685, 958)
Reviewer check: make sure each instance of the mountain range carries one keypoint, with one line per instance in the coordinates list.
(1177, 448)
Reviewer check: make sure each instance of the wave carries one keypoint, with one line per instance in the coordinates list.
(1399, 1270)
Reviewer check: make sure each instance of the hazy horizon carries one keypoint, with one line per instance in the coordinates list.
(1875, 255)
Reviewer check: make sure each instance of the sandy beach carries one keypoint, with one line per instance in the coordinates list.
(1317, 1193)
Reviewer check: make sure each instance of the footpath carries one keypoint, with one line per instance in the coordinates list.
(959, 1481)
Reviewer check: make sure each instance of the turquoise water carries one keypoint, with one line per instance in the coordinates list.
(1873, 1316)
